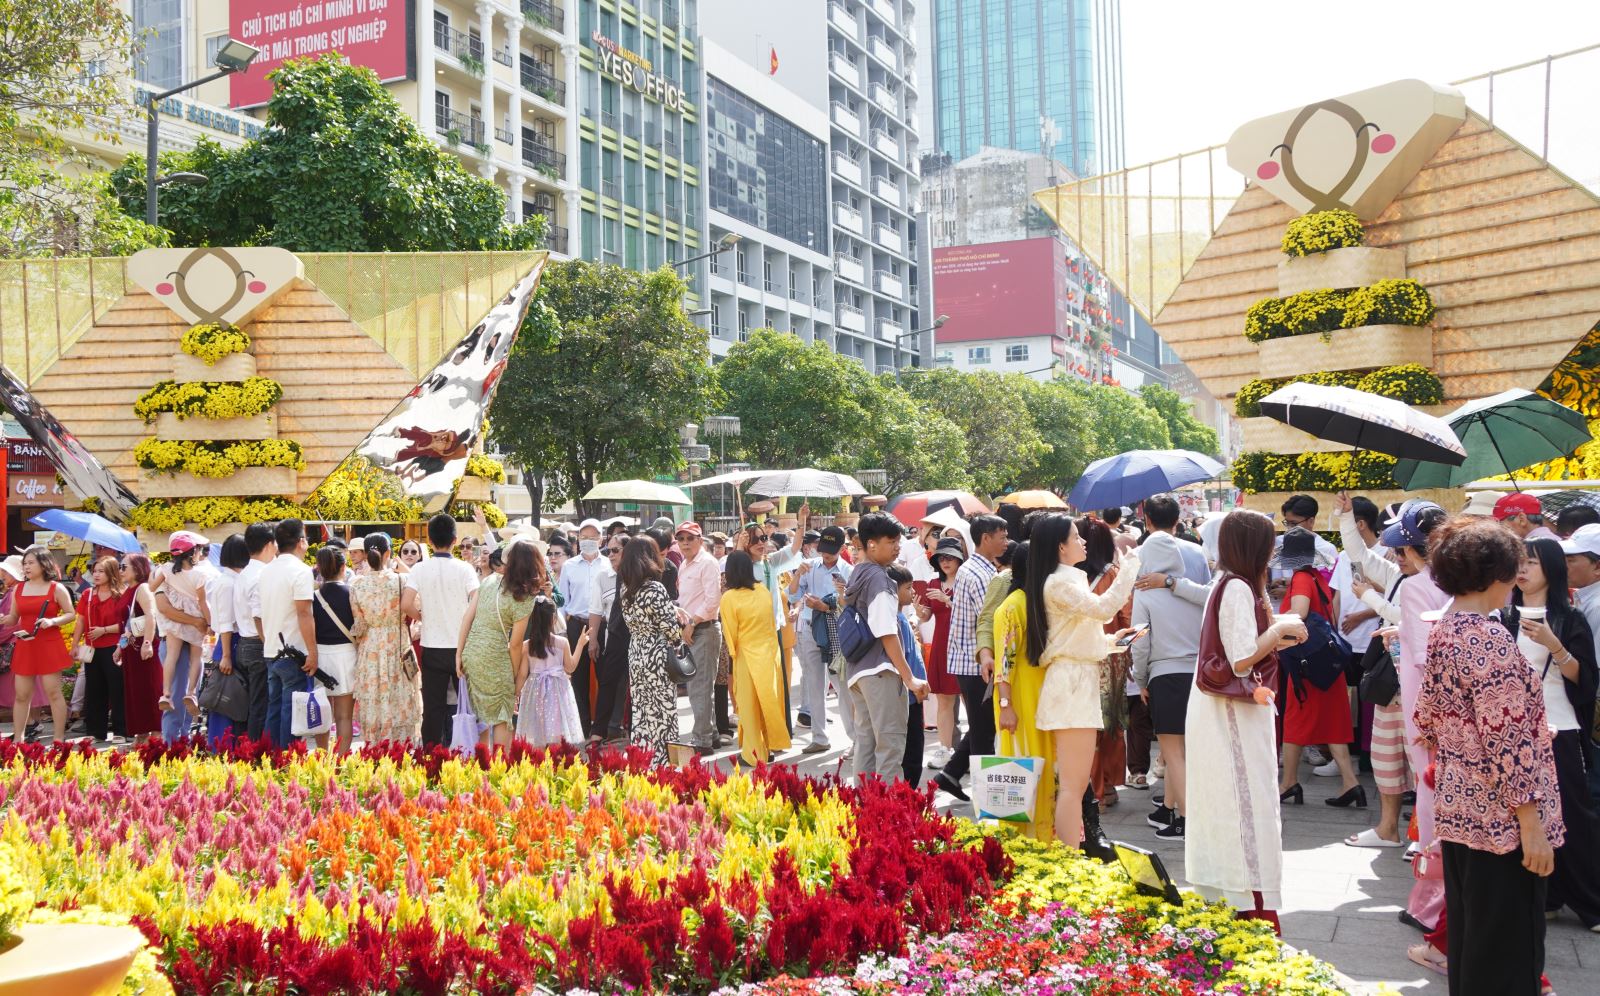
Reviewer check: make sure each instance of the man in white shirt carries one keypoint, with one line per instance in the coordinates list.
(247, 656)
(437, 591)
(288, 634)
(576, 586)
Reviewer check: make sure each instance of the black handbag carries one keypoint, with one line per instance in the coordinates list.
(1380, 682)
(225, 695)
(680, 664)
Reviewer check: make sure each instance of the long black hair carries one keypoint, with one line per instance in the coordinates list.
(1049, 532)
(541, 626)
(1554, 564)
(1099, 548)
(1019, 566)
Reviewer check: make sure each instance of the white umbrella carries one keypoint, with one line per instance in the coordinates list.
(1365, 421)
(642, 492)
(731, 477)
(806, 483)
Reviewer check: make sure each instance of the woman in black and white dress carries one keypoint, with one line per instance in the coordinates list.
(653, 627)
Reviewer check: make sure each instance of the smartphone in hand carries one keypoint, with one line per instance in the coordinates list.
(1138, 631)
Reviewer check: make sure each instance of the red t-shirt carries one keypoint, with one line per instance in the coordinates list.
(1311, 585)
(98, 612)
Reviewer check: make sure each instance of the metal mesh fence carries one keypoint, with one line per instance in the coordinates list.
(414, 304)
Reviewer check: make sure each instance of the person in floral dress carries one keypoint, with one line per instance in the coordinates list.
(388, 699)
(653, 627)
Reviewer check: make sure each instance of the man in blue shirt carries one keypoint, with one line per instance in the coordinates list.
(813, 583)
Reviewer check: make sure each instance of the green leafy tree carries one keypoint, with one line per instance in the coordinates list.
(54, 83)
(1003, 444)
(918, 449)
(798, 404)
(1187, 432)
(605, 371)
(1122, 421)
(1065, 423)
(340, 168)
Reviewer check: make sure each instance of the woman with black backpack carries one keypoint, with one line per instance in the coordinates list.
(1316, 710)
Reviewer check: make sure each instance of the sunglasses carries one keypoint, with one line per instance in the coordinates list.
(614, 551)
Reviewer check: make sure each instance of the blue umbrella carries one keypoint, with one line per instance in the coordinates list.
(1132, 477)
(88, 527)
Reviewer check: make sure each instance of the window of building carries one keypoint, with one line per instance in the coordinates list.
(214, 44)
(441, 110)
(441, 29)
(763, 169)
(978, 355)
(1017, 353)
(945, 358)
(159, 25)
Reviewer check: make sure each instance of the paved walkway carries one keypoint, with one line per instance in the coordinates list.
(1340, 902)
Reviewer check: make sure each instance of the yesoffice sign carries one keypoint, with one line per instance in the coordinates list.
(634, 70)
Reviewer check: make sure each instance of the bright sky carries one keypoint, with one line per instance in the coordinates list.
(1193, 70)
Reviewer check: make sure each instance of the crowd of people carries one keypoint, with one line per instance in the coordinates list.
(1451, 655)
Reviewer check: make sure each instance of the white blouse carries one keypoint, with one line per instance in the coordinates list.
(1077, 616)
(1236, 620)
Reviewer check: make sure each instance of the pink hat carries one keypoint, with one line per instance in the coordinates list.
(181, 541)
(691, 527)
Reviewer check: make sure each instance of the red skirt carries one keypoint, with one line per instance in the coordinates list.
(1323, 718)
(45, 654)
(141, 690)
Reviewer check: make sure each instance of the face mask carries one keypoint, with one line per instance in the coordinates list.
(588, 547)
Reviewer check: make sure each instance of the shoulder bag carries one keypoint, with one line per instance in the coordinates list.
(84, 652)
(1321, 659)
(681, 665)
(1214, 672)
(408, 653)
(1380, 682)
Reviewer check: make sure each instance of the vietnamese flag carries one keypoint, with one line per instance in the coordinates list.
(774, 70)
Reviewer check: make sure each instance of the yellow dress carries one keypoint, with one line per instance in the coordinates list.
(752, 642)
(1027, 680)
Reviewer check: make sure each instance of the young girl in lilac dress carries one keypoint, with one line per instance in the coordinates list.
(547, 708)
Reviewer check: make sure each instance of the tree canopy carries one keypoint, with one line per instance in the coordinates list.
(1187, 432)
(606, 370)
(340, 168)
(54, 81)
(1003, 444)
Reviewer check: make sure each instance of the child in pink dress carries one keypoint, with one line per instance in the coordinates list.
(547, 708)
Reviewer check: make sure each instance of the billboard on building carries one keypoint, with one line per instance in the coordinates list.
(371, 33)
(1001, 289)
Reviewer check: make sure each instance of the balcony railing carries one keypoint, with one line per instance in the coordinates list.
(503, 56)
(544, 159)
(555, 238)
(538, 78)
(544, 13)
(851, 269)
(467, 48)
(845, 20)
(504, 135)
(847, 119)
(851, 317)
(457, 127)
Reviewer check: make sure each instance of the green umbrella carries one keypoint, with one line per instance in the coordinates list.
(1501, 434)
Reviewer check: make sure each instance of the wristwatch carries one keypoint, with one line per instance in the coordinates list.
(1005, 703)
(1170, 581)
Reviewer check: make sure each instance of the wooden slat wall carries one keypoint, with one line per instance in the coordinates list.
(1508, 247)
(338, 381)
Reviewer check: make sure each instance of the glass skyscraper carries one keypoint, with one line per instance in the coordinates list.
(1030, 75)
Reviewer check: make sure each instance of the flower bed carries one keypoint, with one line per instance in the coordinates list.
(212, 341)
(207, 458)
(209, 399)
(407, 871)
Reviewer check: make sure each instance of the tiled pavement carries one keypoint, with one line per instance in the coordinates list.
(1340, 902)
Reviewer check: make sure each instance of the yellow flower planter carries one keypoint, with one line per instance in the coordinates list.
(246, 481)
(1357, 266)
(473, 489)
(170, 426)
(236, 366)
(1362, 348)
(216, 534)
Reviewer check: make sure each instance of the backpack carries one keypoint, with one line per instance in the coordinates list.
(1322, 658)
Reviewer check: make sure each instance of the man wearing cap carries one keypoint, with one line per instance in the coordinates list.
(1300, 510)
(1481, 504)
(1521, 513)
(808, 543)
(576, 586)
(700, 596)
(811, 586)
(989, 535)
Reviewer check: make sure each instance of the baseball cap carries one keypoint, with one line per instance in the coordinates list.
(811, 536)
(1517, 503)
(591, 524)
(831, 540)
(1482, 503)
(1405, 529)
(1585, 541)
(181, 541)
(691, 527)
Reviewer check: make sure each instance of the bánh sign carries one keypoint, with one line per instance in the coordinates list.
(634, 70)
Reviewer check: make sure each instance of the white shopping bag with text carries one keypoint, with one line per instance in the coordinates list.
(1004, 788)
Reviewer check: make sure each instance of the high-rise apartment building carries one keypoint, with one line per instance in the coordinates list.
(857, 62)
(640, 137)
(1032, 75)
(769, 184)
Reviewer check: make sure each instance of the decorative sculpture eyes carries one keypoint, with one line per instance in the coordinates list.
(1377, 142)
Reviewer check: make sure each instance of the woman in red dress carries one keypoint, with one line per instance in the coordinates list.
(1312, 715)
(141, 668)
(41, 607)
(934, 603)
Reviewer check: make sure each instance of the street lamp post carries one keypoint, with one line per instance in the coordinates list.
(233, 57)
(722, 426)
(938, 323)
(725, 243)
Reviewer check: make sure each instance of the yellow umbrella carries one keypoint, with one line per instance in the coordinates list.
(1033, 499)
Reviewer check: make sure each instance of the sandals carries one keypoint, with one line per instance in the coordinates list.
(1429, 957)
(191, 704)
(1369, 838)
(164, 703)
(1138, 781)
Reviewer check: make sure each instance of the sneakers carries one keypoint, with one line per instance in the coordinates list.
(1316, 756)
(1161, 817)
(1172, 831)
(938, 756)
(1329, 770)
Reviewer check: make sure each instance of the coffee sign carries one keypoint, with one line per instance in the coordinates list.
(634, 70)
